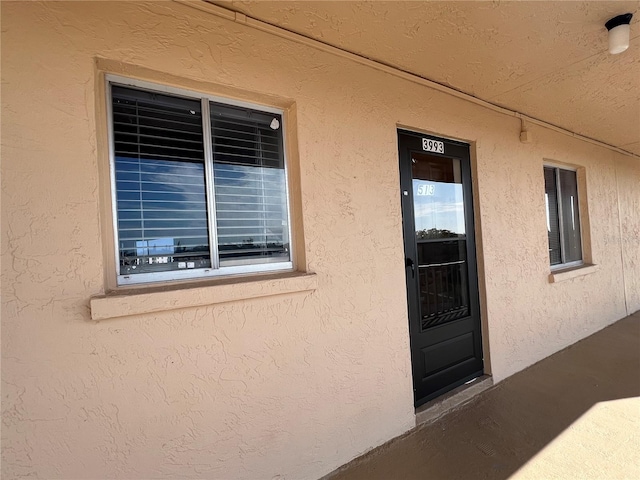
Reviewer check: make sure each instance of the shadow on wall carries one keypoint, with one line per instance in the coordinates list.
(552, 419)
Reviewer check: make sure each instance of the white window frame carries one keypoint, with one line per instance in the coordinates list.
(215, 270)
(576, 263)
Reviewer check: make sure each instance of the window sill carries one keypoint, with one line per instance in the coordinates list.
(174, 297)
(573, 272)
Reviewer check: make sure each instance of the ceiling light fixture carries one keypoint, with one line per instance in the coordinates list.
(619, 33)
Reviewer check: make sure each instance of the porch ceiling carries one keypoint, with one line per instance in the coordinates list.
(548, 60)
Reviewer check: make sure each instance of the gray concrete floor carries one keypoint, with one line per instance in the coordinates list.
(575, 414)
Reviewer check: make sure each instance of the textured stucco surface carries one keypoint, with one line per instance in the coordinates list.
(547, 59)
(286, 386)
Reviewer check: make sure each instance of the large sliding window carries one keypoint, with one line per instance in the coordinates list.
(563, 217)
(199, 185)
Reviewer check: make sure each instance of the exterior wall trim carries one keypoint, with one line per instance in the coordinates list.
(559, 276)
(124, 304)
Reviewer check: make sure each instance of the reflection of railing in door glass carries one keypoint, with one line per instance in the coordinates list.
(444, 292)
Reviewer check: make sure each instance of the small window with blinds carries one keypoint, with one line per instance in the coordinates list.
(563, 217)
(199, 186)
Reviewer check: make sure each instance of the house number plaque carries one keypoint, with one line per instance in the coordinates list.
(429, 145)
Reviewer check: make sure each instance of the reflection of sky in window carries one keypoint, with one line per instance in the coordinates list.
(546, 205)
(161, 203)
(157, 246)
(573, 215)
(162, 208)
(438, 205)
(250, 205)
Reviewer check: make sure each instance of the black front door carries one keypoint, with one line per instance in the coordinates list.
(440, 261)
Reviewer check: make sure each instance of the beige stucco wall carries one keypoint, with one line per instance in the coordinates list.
(283, 386)
(628, 184)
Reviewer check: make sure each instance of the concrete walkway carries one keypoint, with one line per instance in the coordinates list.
(574, 415)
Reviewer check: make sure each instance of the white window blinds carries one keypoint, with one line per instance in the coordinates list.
(250, 184)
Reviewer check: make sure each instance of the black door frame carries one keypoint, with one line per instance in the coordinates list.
(409, 141)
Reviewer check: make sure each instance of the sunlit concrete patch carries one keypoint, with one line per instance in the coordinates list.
(602, 443)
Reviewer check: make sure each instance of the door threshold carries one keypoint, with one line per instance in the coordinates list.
(457, 397)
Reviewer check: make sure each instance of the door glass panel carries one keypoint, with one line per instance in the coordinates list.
(438, 204)
(438, 201)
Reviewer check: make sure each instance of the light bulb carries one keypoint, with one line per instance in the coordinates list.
(619, 31)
